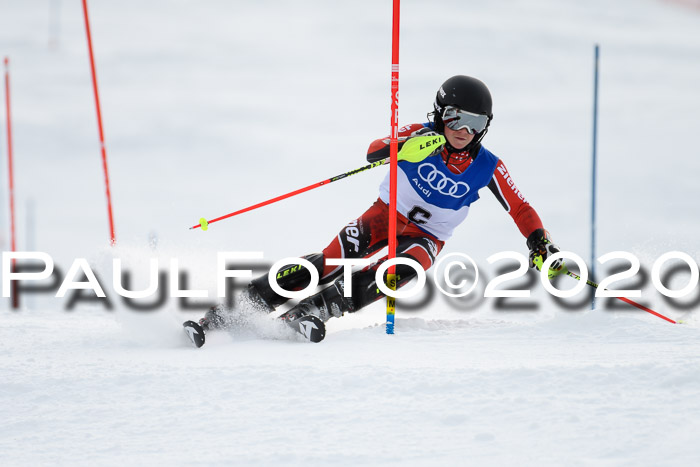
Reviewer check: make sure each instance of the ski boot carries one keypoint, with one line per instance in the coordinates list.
(214, 318)
(309, 326)
(328, 303)
(309, 315)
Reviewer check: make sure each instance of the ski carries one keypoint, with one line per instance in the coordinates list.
(194, 332)
(311, 328)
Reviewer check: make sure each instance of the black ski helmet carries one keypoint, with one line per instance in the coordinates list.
(468, 94)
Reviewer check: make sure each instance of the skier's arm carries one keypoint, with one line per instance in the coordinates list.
(511, 198)
(526, 218)
(379, 149)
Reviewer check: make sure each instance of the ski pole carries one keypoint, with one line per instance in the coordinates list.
(413, 150)
(626, 300)
(204, 224)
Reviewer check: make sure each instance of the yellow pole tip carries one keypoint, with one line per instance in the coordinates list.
(203, 222)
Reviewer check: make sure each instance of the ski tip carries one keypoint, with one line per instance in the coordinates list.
(319, 332)
(203, 224)
(310, 327)
(194, 332)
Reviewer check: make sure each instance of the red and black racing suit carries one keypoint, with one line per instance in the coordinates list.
(368, 234)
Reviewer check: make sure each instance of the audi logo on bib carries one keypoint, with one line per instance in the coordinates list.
(441, 182)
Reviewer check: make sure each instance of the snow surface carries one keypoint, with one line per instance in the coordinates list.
(213, 105)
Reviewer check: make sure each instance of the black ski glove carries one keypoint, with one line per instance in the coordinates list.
(428, 132)
(541, 247)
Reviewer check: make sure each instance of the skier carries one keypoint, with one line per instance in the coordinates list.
(433, 198)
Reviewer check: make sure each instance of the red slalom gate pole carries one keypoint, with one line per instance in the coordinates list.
(112, 236)
(626, 300)
(393, 158)
(13, 244)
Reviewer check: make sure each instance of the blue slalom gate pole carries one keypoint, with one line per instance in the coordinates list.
(594, 168)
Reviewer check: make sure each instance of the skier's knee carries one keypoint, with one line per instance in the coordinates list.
(291, 277)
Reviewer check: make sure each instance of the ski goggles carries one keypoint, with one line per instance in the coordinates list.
(456, 119)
